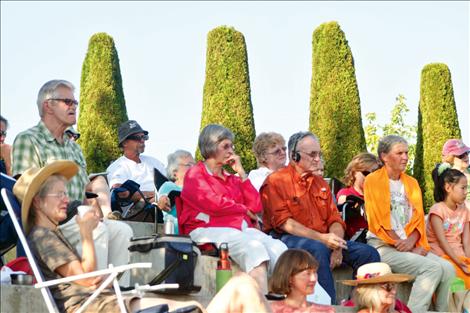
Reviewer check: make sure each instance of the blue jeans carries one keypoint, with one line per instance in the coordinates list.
(356, 255)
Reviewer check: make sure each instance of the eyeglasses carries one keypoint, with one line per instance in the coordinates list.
(67, 101)
(462, 156)
(138, 138)
(365, 173)
(190, 164)
(388, 286)
(60, 195)
(228, 146)
(313, 154)
(278, 151)
(3, 133)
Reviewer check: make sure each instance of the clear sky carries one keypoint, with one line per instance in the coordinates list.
(162, 47)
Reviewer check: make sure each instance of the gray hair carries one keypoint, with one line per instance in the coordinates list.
(173, 162)
(295, 138)
(49, 89)
(386, 144)
(210, 137)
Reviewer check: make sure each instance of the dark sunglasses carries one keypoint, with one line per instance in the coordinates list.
(3, 133)
(388, 286)
(462, 156)
(365, 173)
(68, 102)
(138, 138)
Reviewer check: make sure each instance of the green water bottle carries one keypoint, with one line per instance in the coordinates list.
(224, 268)
(457, 285)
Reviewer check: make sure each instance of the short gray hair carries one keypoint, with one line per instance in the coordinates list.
(386, 144)
(210, 137)
(295, 138)
(48, 91)
(173, 162)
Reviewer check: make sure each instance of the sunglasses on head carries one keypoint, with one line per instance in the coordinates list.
(138, 137)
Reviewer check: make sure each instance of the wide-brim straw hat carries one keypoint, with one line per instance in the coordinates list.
(376, 273)
(31, 180)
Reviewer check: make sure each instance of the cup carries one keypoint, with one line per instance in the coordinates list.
(82, 209)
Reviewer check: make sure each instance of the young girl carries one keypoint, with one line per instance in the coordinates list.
(448, 226)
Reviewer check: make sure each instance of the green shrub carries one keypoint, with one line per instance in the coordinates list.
(227, 98)
(437, 122)
(102, 104)
(335, 112)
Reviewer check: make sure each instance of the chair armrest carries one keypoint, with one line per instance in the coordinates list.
(110, 270)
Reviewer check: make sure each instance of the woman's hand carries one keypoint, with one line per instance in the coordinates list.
(464, 266)
(336, 258)
(420, 251)
(235, 163)
(404, 245)
(164, 203)
(88, 222)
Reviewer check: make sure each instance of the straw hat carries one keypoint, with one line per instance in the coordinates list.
(376, 273)
(31, 180)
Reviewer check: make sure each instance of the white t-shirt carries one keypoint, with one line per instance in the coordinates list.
(400, 208)
(142, 173)
(258, 176)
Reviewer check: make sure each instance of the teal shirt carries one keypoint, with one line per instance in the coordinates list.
(165, 189)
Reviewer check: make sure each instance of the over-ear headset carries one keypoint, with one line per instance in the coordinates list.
(295, 154)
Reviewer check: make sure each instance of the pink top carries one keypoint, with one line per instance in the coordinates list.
(282, 307)
(210, 201)
(453, 223)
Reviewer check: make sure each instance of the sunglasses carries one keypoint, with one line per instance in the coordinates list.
(388, 286)
(365, 173)
(68, 102)
(138, 138)
(3, 133)
(462, 156)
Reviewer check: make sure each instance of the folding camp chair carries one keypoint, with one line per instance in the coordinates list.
(14, 210)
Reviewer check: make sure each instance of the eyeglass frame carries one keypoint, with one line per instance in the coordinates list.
(69, 102)
(313, 155)
(138, 138)
(278, 151)
(59, 195)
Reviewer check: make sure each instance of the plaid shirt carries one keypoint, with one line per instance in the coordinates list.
(36, 147)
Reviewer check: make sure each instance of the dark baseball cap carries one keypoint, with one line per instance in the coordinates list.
(129, 128)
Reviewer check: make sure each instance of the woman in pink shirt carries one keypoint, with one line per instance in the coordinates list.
(448, 227)
(221, 207)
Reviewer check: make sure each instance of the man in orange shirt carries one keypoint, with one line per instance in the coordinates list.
(299, 210)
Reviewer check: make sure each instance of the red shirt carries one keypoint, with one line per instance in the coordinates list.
(305, 198)
(210, 201)
(353, 224)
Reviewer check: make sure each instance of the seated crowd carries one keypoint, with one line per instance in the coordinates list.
(281, 222)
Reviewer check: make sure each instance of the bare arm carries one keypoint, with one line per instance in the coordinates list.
(331, 240)
(436, 223)
(466, 239)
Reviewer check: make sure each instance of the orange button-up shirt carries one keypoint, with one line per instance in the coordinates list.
(306, 198)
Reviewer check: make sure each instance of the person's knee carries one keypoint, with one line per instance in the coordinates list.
(448, 270)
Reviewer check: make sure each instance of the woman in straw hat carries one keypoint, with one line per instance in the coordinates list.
(42, 193)
(376, 288)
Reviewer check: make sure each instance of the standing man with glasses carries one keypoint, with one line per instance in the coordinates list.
(47, 142)
(299, 210)
(133, 165)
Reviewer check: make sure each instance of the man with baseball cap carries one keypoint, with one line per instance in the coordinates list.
(133, 165)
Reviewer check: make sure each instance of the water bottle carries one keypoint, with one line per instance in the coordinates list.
(224, 268)
(168, 224)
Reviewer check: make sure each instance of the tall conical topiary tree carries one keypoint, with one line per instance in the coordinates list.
(437, 122)
(227, 98)
(335, 112)
(102, 104)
